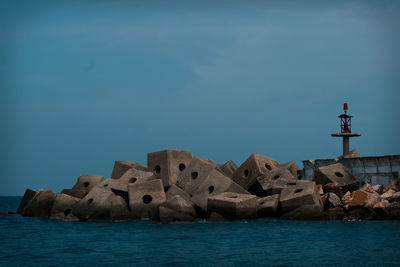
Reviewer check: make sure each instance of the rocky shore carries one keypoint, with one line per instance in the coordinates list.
(178, 186)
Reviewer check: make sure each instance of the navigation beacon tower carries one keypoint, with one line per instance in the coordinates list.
(345, 127)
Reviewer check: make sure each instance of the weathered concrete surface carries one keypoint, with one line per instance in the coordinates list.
(336, 173)
(228, 169)
(40, 205)
(120, 167)
(176, 191)
(101, 204)
(146, 197)
(293, 168)
(84, 185)
(29, 194)
(234, 206)
(131, 176)
(255, 166)
(305, 212)
(267, 206)
(301, 194)
(63, 206)
(167, 165)
(371, 170)
(272, 182)
(177, 209)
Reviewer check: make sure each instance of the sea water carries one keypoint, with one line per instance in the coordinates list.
(34, 241)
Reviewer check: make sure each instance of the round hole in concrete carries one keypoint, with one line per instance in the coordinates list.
(147, 199)
(268, 166)
(132, 180)
(246, 173)
(182, 167)
(157, 169)
(339, 174)
(86, 184)
(194, 175)
(210, 189)
(298, 190)
(291, 183)
(67, 212)
(90, 200)
(276, 176)
(233, 196)
(262, 203)
(105, 185)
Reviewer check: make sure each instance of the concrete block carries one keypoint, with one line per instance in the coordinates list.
(384, 165)
(228, 168)
(395, 163)
(255, 166)
(272, 182)
(102, 204)
(83, 186)
(215, 217)
(370, 164)
(214, 184)
(305, 212)
(176, 191)
(146, 197)
(233, 205)
(63, 206)
(337, 173)
(40, 205)
(267, 206)
(120, 167)
(131, 176)
(167, 165)
(179, 204)
(29, 194)
(293, 168)
(298, 195)
(195, 174)
(167, 215)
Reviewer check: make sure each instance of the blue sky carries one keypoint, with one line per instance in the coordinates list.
(85, 83)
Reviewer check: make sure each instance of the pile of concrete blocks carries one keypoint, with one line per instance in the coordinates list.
(178, 186)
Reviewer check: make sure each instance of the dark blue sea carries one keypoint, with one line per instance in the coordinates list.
(34, 241)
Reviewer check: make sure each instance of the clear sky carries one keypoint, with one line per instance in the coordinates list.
(85, 83)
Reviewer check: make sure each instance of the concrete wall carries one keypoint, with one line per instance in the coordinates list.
(372, 170)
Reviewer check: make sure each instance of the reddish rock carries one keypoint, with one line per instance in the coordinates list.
(395, 185)
(320, 189)
(395, 197)
(378, 188)
(359, 198)
(334, 188)
(388, 194)
(367, 188)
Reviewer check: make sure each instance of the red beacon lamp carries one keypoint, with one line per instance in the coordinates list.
(345, 130)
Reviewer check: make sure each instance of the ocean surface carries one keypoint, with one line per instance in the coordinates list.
(33, 241)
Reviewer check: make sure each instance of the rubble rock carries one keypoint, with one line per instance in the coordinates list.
(301, 194)
(293, 168)
(146, 197)
(334, 188)
(102, 204)
(83, 186)
(336, 173)
(168, 165)
(359, 198)
(395, 197)
(320, 189)
(367, 188)
(333, 201)
(337, 213)
(228, 168)
(233, 205)
(388, 194)
(40, 205)
(255, 166)
(63, 206)
(267, 206)
(378, 188)
(120, 167)
(392, 186)
(29, 194)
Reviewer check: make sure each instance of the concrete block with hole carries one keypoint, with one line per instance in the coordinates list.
(83, 186)
(234, 206)
(272, 182)
(255, 166)
(337, 173)
(131, 176)
(102, 204)
(120, 167)
(167, 165)
(228, 169)
(176, 191)
(40, 205)
(267, 206)
(300, 194)
(195, 174)
(146, 197)
(293, 168)
(28, 195)
(214, 184)
(169, 215)
(63, 206)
